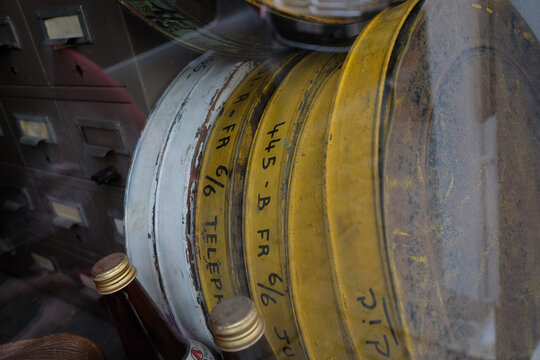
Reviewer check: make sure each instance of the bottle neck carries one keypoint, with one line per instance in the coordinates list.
(170, 344)
(134, 338)
(136, 313)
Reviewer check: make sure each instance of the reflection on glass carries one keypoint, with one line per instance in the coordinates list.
(382, 205)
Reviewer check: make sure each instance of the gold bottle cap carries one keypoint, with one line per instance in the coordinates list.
(236, 324)
(113, 273)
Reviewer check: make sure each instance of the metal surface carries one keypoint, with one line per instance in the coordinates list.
(218, 227)
(305, 243)
(172, 150)
(139, 244)
(236, 324)
(437, 105)
(113, 273)
(266, 195)
(466, 172)
(362, 277)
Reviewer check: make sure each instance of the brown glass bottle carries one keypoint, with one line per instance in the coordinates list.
(144, 332)
(238, 330)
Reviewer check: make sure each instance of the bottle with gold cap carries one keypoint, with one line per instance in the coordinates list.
(144, 332)
(238, 330)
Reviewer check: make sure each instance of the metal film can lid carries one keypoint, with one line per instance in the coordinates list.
(236, 324)
(113, 273)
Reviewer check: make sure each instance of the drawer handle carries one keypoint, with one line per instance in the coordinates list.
(106, 176)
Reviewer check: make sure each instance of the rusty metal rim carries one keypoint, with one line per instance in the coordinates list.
(140, 243)
(158, 208)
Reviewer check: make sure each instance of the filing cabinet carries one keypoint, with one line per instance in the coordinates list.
(77, 80)
(62, 223)
(104, 134)
(71, 216)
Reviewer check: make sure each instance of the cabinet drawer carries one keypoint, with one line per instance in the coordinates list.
(70, 213)
(19, 60)
(41, 135)
(105, 135)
